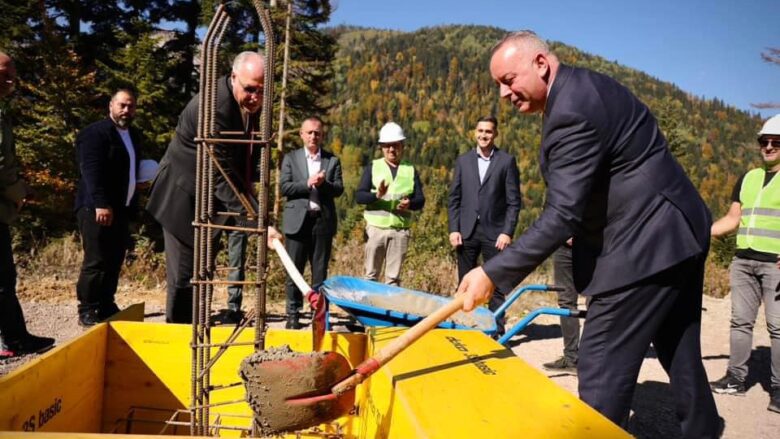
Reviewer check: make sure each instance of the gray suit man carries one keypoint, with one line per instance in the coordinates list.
(310, 179)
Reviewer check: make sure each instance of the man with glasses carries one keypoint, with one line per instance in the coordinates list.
(14, 338)
(391, 189)
(172, 198)
(755, 270)
(310, 180)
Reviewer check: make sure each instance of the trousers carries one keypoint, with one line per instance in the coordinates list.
(567, 299)
(753, 282)
(665, 310)
(385, 247)
(104, 252)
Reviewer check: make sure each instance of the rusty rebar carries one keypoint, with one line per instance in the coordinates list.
(264, 171)
(206, 109)
(207, 221)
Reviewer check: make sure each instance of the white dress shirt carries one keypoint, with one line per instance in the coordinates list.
(483, 163)
(314, 163)
(125, 135)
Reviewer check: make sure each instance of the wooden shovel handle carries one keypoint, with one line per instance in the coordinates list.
(292, 270)
(387, 353)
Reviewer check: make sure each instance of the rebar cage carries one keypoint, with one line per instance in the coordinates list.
(208, 221)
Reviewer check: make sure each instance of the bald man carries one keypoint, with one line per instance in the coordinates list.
(172, 198)
(14, 338)
(641, 232)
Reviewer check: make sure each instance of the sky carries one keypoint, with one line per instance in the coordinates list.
(711, 49)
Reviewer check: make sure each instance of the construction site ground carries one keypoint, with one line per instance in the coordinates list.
(51, 310)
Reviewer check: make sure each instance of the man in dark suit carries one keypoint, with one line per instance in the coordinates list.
(172, 198)
(310, 179)
(108, 154)
(15, 341)
(484, 203)
(641, 231)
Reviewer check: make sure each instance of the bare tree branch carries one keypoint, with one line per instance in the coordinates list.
(765, 105)
(772, 55)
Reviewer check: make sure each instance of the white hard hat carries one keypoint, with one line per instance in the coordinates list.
(147, 170)
(771, 127)
(391, 132)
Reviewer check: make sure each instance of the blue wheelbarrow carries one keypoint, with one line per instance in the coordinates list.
(375, 304)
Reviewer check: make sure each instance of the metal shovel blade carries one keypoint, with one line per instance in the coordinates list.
(276, 376)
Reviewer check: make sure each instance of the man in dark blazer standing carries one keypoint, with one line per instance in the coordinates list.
(641, 231)
(172, 198)
(484, 203)
(108, 154)
(310, 180)
(15, 340)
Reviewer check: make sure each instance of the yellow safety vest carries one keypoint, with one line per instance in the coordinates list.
(382, 213)
(759, 225)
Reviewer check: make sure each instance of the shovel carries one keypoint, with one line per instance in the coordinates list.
(315, 298)
(311, 389)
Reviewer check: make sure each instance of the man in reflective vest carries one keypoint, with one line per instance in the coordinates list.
(755, 270)
(391, 190)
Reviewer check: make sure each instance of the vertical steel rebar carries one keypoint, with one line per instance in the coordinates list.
(196, 392)
(201, 253)
(205, 218)
(264, 171)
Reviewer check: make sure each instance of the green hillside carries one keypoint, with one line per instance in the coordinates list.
(435, 83)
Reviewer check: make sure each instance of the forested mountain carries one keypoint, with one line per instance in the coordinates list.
(435, 83)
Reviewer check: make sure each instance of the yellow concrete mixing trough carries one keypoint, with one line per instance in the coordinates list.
(127, 377)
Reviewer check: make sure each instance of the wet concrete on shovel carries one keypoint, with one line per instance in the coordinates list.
(275, 375)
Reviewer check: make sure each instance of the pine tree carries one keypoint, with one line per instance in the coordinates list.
(142, 65)
(52, 106)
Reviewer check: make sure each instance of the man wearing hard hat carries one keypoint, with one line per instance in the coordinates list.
(391, 190)
(755, 270)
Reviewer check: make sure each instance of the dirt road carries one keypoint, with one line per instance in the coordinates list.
(653, 413)
(653, 417)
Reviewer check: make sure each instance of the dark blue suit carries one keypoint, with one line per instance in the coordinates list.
(481, 211)
(641, 234)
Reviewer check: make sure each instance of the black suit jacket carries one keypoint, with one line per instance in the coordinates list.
(295, 173)
(172, 197)
(104, 166)
(612, 184)
(496, 201)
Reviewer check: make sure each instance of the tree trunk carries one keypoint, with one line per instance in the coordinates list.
(280, 135)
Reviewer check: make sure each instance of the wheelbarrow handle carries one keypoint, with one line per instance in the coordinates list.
(387, 353)
(319, 318)
(292, 270)
(520, 291)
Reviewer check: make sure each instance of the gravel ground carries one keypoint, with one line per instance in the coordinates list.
(51, 310)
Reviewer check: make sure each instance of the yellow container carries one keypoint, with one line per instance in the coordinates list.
(129, 377)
